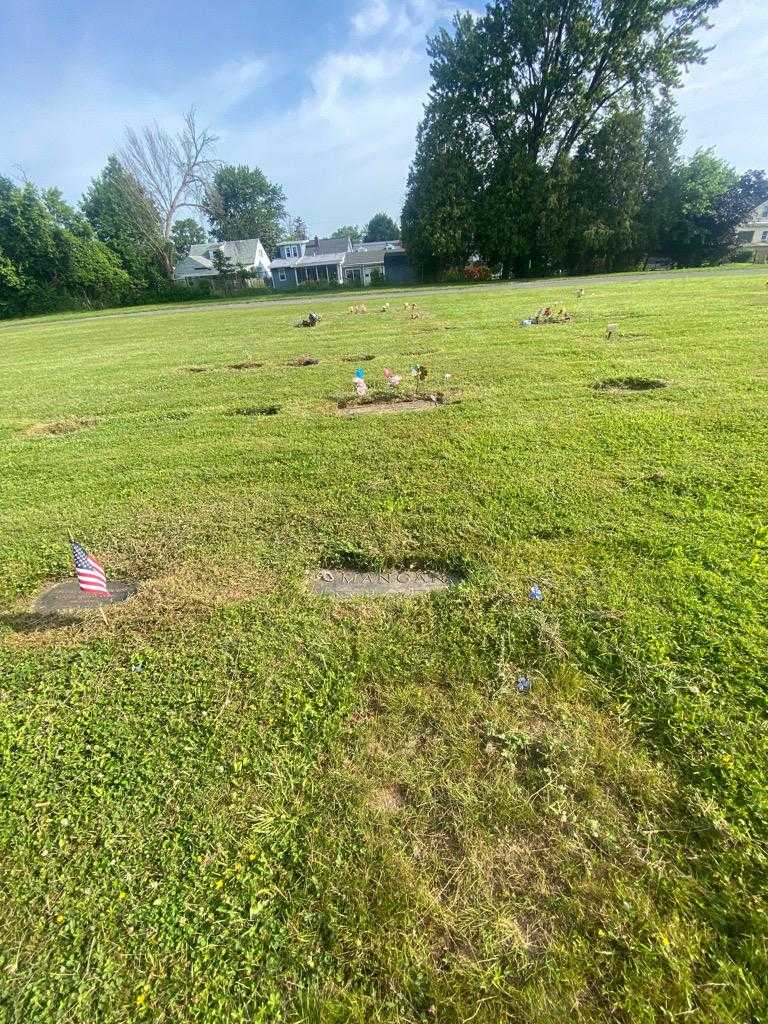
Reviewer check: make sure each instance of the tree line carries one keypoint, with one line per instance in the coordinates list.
(135, 222)
(551, 143)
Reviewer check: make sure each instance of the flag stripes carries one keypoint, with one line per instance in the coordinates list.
(90, 574)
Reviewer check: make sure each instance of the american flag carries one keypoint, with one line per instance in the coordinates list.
(90, 574)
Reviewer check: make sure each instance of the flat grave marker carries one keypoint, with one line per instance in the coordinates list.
(68, 597)
(400, 582)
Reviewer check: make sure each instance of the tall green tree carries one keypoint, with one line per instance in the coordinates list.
(381, 228)
(709, 200)
(185, 233)
(241, 203)
(351, 231)
(439, 219)
(49, 256)
(127, 223)
(529, 82)
(605, 196)
(663, 136)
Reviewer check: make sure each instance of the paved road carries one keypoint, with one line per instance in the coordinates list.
(405, 293)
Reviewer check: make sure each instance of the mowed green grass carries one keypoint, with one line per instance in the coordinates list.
(238, 802)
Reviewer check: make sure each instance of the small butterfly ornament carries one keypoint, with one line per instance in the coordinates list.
(535, 594)
(523, 684)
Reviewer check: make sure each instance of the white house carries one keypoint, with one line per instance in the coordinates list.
(246, 254)
(753, 233)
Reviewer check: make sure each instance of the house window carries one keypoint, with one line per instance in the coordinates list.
(282, 276)
(764, 236)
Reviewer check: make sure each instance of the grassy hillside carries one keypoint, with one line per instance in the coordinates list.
(239, 802)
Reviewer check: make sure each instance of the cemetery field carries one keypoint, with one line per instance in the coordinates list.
(237, 801)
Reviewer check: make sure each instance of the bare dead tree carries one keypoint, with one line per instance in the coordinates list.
(172, 171)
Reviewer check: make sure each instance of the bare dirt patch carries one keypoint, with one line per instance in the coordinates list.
(383, 402)
(387, 799)
(416, 405)
(257, 410)
(357, 359)
(194, 369)
(630, 384)
(303, 361)
(248, 365)
(58, 428)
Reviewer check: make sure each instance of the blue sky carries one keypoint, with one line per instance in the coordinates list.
(324, 97)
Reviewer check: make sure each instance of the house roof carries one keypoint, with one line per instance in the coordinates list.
(197, 261)
(326, 246)
(394, 243)
(365, 259)
(327, 259)
(319, 246)
(242, 250)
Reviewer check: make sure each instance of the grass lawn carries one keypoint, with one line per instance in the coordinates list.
(240, 802)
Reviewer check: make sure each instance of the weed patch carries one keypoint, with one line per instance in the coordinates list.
(58, 428)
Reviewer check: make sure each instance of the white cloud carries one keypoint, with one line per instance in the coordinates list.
(373, 17)
(235, 79)
(343, 151)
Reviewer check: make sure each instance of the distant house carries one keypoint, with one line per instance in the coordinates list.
(330, 260)
(753, 233)
(246, 254)
(309, 261)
